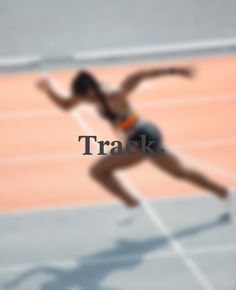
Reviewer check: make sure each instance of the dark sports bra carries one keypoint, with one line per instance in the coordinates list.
(122, 121)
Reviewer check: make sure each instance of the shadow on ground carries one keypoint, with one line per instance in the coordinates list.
(91, 271)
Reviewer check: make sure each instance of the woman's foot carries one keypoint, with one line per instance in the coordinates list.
(227, 206)
(133, 211)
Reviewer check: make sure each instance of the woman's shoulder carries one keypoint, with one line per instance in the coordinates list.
(112, 91)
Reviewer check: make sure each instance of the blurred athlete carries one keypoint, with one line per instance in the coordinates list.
(113, 105)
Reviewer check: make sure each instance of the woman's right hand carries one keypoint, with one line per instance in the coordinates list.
(187, 72)
(44, 83)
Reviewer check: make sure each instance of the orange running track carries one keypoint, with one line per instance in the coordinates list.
(41, 162)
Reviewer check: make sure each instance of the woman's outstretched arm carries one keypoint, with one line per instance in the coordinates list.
(132, 81)
(57, 95)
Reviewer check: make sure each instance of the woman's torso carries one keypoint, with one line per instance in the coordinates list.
(115, 108)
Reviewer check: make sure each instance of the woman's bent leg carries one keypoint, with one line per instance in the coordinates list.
(170, 163)
(103, 172)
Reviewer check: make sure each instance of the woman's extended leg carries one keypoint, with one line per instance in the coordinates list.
(103, 172)
(170, 163)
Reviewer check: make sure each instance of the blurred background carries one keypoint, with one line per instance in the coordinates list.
(59, 30)
(59, 230)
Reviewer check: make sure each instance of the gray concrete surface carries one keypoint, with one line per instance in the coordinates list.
(91, 249)
(57, 27)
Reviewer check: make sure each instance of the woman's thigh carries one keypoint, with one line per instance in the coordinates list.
(110, 162)
(169, 163)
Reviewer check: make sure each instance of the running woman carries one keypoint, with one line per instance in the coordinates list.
(113, 105)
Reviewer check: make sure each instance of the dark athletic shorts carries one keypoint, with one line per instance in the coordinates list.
(150, 133)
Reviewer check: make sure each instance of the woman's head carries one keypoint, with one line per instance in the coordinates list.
(85, 85)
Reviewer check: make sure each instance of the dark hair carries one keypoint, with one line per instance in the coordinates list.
(82, 82)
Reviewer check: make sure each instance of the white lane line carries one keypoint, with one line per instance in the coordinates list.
(176, 245)
(177, 101)
(158, 222)
(125, 53)
(184, 101)
(29, 114)
(23, 212)
(39, 158)
(205, 165)
(154, 255)
(121, 53)
(146, 86)
(112, 203)
(83, 124)
(20, 60)
(206, 144)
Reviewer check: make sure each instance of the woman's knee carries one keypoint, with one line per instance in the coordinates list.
(180, 173)
(94, 172)
(97, 172)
